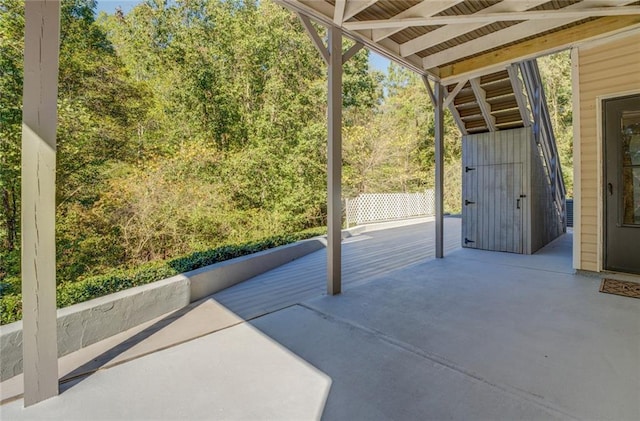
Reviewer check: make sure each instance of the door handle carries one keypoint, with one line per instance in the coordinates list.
(517, 203)
(468, 202)
(610, 188)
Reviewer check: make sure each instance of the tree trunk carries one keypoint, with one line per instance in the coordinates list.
(10, 215)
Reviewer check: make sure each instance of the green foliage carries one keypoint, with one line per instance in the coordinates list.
(184, 126)
(11, 57)
(556, 78)
(181, 126)
(392, 149)
(117, 280)
(10, 308)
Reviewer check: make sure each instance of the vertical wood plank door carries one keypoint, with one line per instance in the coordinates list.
(492, 207)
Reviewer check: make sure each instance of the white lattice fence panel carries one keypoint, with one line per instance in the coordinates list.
(387, 206)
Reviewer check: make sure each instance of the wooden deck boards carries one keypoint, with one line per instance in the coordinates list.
(364, 258)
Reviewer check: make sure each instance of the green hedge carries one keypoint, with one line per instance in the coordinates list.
(121, 279)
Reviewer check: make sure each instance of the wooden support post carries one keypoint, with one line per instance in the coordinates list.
(334, 164)
(332, 54)
(39, 121)
(439, 146)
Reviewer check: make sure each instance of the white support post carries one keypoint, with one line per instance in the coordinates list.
(334, 164)
(439, 149)
(39, 121)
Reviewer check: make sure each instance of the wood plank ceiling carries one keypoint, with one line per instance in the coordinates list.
(469, 45)
(450, 39)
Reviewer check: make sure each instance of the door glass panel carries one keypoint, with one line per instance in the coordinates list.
(630, 167)
(631, 196)
(630, 138)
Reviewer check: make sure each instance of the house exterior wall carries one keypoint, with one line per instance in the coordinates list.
(604, 69)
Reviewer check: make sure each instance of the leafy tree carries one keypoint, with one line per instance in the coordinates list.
(11, 53)
(392, 149)
(555, 70)
(188, 124)
(97, 110)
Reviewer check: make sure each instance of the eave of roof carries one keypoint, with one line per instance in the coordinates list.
(450, 40)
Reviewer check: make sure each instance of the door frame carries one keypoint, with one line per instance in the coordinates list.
(600, 178)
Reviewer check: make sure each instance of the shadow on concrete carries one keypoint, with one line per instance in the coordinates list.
(109, 358)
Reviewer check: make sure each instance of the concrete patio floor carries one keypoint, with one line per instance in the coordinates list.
(477, 335)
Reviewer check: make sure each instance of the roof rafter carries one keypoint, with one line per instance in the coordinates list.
(338, 11)
(505, 36)
(538, 46)
(322, 13)
(451, 31)
(356, 6)
(423, 9)
(486, 18)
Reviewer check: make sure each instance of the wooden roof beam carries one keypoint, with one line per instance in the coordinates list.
(506, 36)
(435, 37)
(338, 11)
(451, 95)
(356, 6)
(322, 13)
(420, 10)
(487, 18)
(537, 46)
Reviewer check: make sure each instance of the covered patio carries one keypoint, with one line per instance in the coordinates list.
(478, 335)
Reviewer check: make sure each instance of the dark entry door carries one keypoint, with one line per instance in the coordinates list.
(622, 184)
(492, 207)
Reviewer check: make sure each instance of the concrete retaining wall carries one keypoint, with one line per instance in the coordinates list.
(214, 278)
(86, 323)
